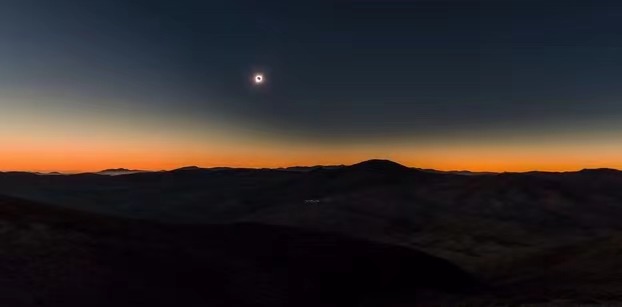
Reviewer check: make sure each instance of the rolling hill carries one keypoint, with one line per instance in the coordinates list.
(61, 257)
(500, 228)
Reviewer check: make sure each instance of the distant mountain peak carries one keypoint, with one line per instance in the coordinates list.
(379, 165)
(119, 171)
(188, 168)
(310, 168)
(599, 171)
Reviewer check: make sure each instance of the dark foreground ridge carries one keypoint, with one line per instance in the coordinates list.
(535, 237)
(60, 257)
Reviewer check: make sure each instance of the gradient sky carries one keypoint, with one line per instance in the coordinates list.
(447, 84)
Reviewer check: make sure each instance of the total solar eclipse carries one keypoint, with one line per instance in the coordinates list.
(258, 78)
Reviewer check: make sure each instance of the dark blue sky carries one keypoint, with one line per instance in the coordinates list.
(335, 70)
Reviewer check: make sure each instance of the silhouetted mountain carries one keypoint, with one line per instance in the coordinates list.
(600, 170)
(188, 168)
(461, 172)
(119, 171)
(60, 257)
(15, 174)
(47, 174)
(310, 168)
(377, 165)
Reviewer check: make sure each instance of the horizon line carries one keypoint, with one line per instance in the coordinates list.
(74, 172)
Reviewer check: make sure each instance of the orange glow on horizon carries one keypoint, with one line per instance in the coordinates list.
(39, 139)
(86, 159)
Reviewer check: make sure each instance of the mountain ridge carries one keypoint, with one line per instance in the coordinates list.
(371, 164)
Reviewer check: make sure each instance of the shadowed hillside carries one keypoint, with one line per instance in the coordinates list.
(59, 257)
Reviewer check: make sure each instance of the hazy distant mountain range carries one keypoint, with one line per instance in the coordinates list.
(539, 237)
(119, 171)
(125, 171)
